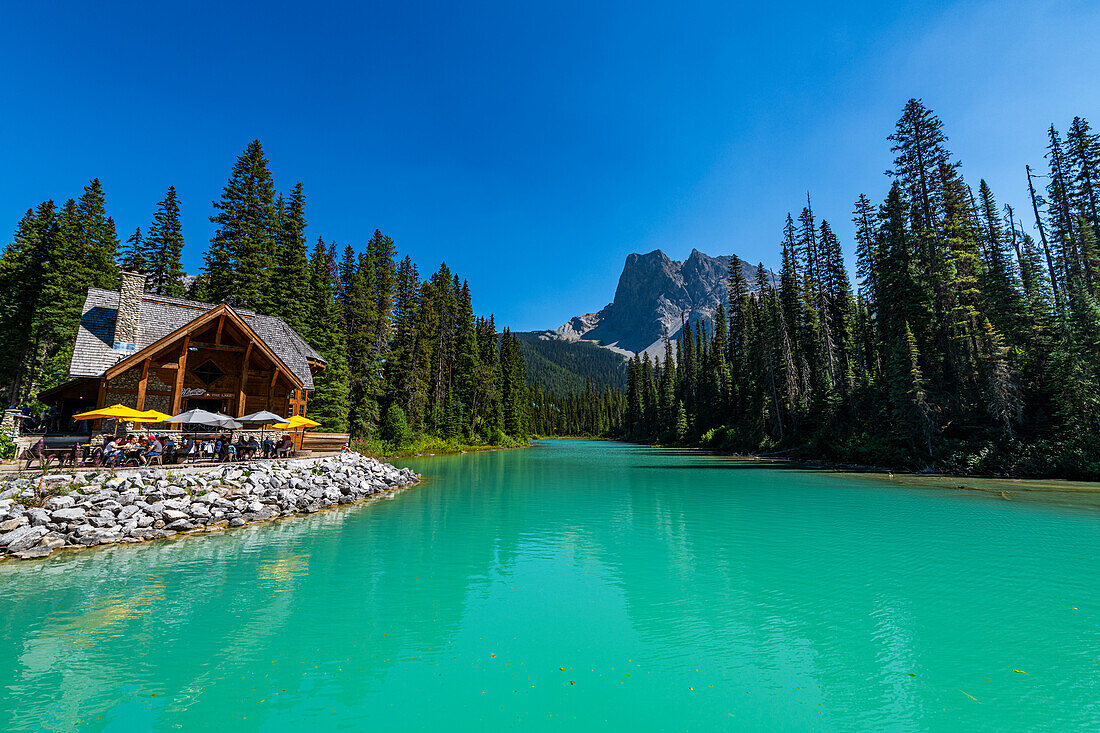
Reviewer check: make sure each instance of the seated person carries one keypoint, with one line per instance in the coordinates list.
(125, 449)
(230, 451)
(269, 447)
(286, 447)
(253, 446)
(169, 450)
(153, 447)
(112, 451)
(133, 448)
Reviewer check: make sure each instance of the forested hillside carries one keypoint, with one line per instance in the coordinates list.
(405, 355)
(968, 343)
(567, 367)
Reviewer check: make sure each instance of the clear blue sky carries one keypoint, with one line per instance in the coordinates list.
(530, 146)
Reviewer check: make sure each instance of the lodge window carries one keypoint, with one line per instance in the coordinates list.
(208, 372)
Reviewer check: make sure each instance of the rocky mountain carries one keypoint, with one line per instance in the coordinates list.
(655, 296)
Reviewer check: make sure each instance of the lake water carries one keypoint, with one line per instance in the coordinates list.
(578, 585)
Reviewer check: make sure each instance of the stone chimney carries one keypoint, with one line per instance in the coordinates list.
(129, 311)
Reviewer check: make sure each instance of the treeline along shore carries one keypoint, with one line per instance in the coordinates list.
(970, 343)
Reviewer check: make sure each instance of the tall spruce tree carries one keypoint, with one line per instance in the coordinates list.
(329, 402)
(132, 255)
(164, 247)
(291, 274)
(23, 269)
(243, 245)
(98, 240)
(403, 367)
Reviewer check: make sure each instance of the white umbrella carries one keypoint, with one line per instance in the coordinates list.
(204, 417)
(263, 418)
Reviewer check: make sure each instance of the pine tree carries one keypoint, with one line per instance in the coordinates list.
(467, 361)
(244, 243)
(922, 164)
(667, 397)
(403, 366)
(839, 307)
(1083, 151)
(98, 238)
(395, 426)
(1052, 271)
(1060, 212)
(908, 396)
(1074, 374)
(438, 318)
(1001, 286)
(513, 386)
(364, 361)
(867, 254)
(132, 256)
(67, 275)
(328, 404)
(164, 246)
(23, 268)
(683, 429)
(381, 253)
(738, 331)
(291, 273)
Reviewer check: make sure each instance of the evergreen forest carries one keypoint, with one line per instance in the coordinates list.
(970, 341)
(406, 355)
(566, 367)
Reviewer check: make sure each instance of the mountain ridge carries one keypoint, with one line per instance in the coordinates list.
(655, 295)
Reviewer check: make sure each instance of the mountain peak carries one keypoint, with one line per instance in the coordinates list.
(654, 297)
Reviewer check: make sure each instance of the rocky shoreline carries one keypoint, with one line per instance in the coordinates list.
(41, 515)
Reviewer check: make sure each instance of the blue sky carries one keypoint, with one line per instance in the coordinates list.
(531, 146)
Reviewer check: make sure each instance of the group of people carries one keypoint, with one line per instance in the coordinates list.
(223, 448)
(146, 449)
(131, 448)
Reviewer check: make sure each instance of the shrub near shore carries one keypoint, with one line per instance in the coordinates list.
(433, 445)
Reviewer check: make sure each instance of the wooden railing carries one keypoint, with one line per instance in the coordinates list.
(323, 442)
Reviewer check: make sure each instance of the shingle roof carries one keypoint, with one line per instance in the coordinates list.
(160, 316)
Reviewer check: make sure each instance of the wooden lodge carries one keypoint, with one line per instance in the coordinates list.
(153, 352)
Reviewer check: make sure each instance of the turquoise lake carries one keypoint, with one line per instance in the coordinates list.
(678, 590)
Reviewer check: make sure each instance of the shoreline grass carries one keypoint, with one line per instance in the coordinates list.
(431, 445)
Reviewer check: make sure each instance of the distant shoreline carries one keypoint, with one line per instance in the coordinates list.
(1026, 488)
(1008, 487)
(444, 452)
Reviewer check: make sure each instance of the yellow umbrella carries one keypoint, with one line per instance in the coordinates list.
(298, 421)
(153, 416)
(118, 412)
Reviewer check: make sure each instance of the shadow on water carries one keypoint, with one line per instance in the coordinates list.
(730, 466)
(1075, 494)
